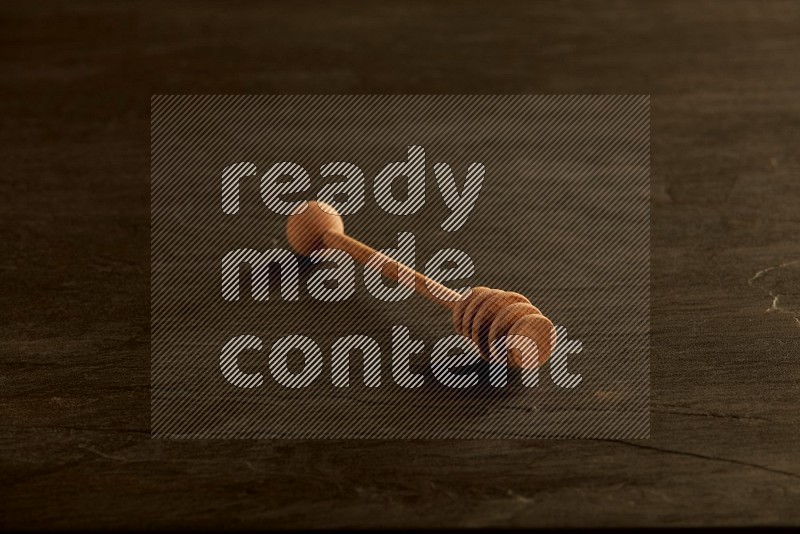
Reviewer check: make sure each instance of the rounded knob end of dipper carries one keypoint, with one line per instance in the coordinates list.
(305, 228)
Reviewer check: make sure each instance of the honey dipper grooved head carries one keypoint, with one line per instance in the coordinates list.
(488, 315)
(306, 227)
(538, 329)
(465, 308)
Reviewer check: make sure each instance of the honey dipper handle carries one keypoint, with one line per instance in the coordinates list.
(423, 285)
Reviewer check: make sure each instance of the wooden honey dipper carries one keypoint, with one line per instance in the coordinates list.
(485, 316)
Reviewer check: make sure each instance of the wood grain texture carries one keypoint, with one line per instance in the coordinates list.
(75, 449)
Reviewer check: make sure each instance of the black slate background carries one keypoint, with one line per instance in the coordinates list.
(75, 88)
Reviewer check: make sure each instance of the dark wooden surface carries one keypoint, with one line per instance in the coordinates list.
(76, 81)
